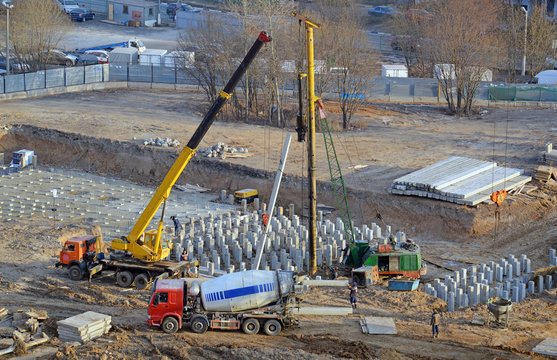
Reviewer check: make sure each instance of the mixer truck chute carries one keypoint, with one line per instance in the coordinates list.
(247, 300)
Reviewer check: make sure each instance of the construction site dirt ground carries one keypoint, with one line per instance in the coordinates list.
(100, 129)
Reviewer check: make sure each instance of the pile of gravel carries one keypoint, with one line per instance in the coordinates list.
(221, 150)
(166, 142)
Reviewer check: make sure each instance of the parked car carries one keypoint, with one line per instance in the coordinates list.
(59, 57)
(172, 8)
(15, 66)
(68, 5)
(87, 59)
(382, 11)
(81, 14)
(102, 56)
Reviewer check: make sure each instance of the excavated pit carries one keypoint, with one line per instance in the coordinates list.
(423, 219)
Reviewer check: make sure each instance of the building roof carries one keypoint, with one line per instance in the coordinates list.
(158, 52)
(139, 3)
(394, 67)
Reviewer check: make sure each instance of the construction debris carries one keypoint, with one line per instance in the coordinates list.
(459, 180)
(166, 142)
(24, 332)
(83, 327)
(221, 150)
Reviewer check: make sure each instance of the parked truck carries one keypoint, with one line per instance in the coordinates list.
(84, 256)
(132, 43)
(247, 300)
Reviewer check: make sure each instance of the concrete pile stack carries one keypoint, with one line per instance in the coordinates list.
(83, 327)
(228, 242)
(166, 142)
(509, 279)
(459, 180)
(221, 150)
(549, 156)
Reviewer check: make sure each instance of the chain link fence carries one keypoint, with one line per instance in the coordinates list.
(523, 93)
(44, 79)
(378, 89)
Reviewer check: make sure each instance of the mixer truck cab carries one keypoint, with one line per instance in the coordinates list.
(247, 300)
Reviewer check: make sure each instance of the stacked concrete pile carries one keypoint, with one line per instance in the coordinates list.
(509, 279)
(549, 156)
(83, 327)
(228, 242)
(459, 180)
(166, 142)
(221, 150)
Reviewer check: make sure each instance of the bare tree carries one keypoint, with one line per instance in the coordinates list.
(212, 60)
(512, 41)
(345, 49)
(461, 40)
(36, 28)
(540, 34)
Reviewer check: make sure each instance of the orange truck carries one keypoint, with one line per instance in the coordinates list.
(83, 256)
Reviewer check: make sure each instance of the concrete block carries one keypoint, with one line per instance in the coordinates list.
(325, 311)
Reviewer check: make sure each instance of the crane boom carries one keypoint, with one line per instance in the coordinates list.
(149, 248)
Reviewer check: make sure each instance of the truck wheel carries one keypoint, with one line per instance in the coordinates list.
(199, 324)
(272, 327)
(250, 326)
(141, 281)
(170, 325)
(75, 273)
(124, 278)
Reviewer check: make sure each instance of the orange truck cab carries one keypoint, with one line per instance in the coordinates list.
(76, 253)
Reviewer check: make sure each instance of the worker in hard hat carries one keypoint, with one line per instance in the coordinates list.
(177, 225)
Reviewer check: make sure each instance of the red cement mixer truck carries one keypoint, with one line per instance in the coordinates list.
(247, 300)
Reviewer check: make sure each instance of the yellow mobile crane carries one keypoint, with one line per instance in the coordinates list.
(144, 249)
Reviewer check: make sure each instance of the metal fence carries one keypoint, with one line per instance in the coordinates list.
(381, 89)
(43, 79)
(149, 73)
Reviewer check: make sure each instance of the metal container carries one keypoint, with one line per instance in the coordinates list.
(245, 290)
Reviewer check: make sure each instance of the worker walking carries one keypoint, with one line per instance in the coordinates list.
(353, 294)
(435, 321)
(177, 225)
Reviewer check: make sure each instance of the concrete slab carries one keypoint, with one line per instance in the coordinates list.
(380, 325)
(547, 347)
(86, 320)
(327, 311)
(336, 283)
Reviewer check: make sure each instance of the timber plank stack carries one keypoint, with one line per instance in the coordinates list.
(460, 180)
(545, 173)
(83, 327)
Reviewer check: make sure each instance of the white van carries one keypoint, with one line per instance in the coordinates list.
(546, 77)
